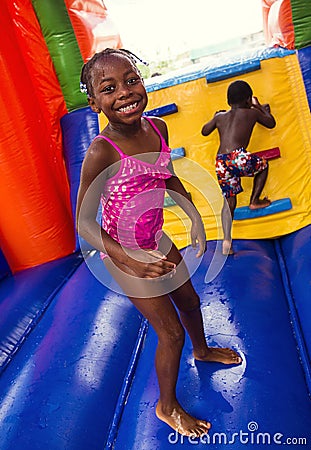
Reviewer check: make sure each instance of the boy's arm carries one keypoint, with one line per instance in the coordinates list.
(209, 127)
(264, 116)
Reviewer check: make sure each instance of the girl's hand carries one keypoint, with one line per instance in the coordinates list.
(198, 236)
(149, 263)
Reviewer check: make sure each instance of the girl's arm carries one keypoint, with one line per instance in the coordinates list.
(93, 178)
(178, 193)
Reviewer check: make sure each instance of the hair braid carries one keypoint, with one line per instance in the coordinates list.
(86, 85)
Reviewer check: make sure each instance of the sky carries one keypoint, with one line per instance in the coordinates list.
(154, 28)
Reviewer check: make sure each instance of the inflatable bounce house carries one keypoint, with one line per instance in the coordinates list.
(76, 358)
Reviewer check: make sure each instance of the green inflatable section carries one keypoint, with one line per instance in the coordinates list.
(301, 11)
(63, 47)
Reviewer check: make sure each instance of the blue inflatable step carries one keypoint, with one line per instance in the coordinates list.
(244, 212)
(232, 70)
(177, 153)
(165, 110)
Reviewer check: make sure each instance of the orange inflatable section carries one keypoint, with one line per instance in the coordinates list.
(278, 23)
(93, 28)
(40, 67)
(35, 214)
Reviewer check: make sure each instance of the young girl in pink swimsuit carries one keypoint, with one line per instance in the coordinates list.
(128, 168)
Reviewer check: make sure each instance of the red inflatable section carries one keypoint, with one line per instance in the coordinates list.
(278, 23)
(35, 214)
(92, 26)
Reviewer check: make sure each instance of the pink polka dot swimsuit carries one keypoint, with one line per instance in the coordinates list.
(132, 199)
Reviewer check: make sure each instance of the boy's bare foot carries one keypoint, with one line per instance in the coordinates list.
(220, 355)
(227, 248)
(182, 422)
(260, 203)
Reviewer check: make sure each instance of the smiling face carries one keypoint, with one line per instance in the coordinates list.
(118, 89)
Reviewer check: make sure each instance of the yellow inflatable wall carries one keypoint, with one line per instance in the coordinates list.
(279, 83)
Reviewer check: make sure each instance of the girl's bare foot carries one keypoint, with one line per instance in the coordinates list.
(227, 248)
(220, 355)
(260, 203)
(177, 418)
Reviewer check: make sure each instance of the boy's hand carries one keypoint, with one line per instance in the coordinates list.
(266, 106)
(219, 111)
(255, 101)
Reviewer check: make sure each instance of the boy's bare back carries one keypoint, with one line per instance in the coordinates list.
(236, 125)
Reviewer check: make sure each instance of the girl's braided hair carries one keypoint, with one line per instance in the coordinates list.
(86, 86)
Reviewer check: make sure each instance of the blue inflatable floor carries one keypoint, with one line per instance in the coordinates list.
(265, 400)
(60, 390)
(83, 377)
